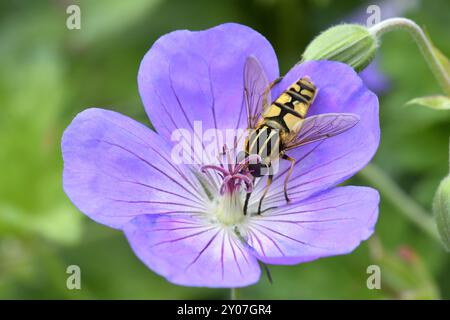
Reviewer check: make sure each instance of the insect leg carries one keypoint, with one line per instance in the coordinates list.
(269, 182)
(247, 198)
(286, 180)
(267, 90)
(276, 81)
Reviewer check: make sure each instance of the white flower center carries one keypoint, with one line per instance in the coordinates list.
(236, 177)
(229, 209)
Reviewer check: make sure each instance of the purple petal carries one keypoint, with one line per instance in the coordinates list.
(191, 252)
(326, 163)
(331, 223)
(198, 76)
(374, 78)
(115, 168)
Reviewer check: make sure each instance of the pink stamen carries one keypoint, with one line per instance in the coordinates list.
(236, 174)
(225, 187)
(221, 170)
(247, 181)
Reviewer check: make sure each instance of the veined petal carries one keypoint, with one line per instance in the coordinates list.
(331, 223)
(326, 163)
(198, 76)
(116, 168)
(191, 252)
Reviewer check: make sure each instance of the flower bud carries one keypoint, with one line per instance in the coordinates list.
(441, 211)
(352, 44)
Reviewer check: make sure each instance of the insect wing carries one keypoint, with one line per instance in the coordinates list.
(320, 127)
(256, 90)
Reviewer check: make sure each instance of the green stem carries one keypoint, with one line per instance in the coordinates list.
(406, 205)
(422, 41)
(234, 294)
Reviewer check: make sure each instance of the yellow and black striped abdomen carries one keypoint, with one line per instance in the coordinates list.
(292, 105)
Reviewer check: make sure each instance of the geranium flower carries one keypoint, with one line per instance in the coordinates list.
(185, 221)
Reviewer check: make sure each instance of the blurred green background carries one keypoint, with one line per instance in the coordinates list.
(49, 73)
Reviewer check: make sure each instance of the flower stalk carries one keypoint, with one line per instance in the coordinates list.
(406, 205)
(424, 44)
(234, 294)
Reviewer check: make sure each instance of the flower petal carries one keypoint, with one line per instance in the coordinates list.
(198, 76)
(326, 163)
(331, 223)
(116, 168)
(374, 78)
(191, 252)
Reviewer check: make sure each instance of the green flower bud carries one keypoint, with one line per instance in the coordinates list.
(441, 211)
(352, 44)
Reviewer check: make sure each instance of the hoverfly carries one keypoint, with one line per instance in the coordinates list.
(282, 125)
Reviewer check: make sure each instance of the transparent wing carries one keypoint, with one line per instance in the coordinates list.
(320, 127)
(256, 90)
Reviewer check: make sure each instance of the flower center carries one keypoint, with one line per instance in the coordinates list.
(229, 208)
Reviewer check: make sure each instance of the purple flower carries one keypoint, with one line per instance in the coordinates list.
(374, 78)
(185, 221)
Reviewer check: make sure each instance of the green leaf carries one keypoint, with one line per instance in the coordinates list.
(442, 59)
(437, 102)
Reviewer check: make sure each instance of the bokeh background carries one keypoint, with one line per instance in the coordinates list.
(49, 73)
